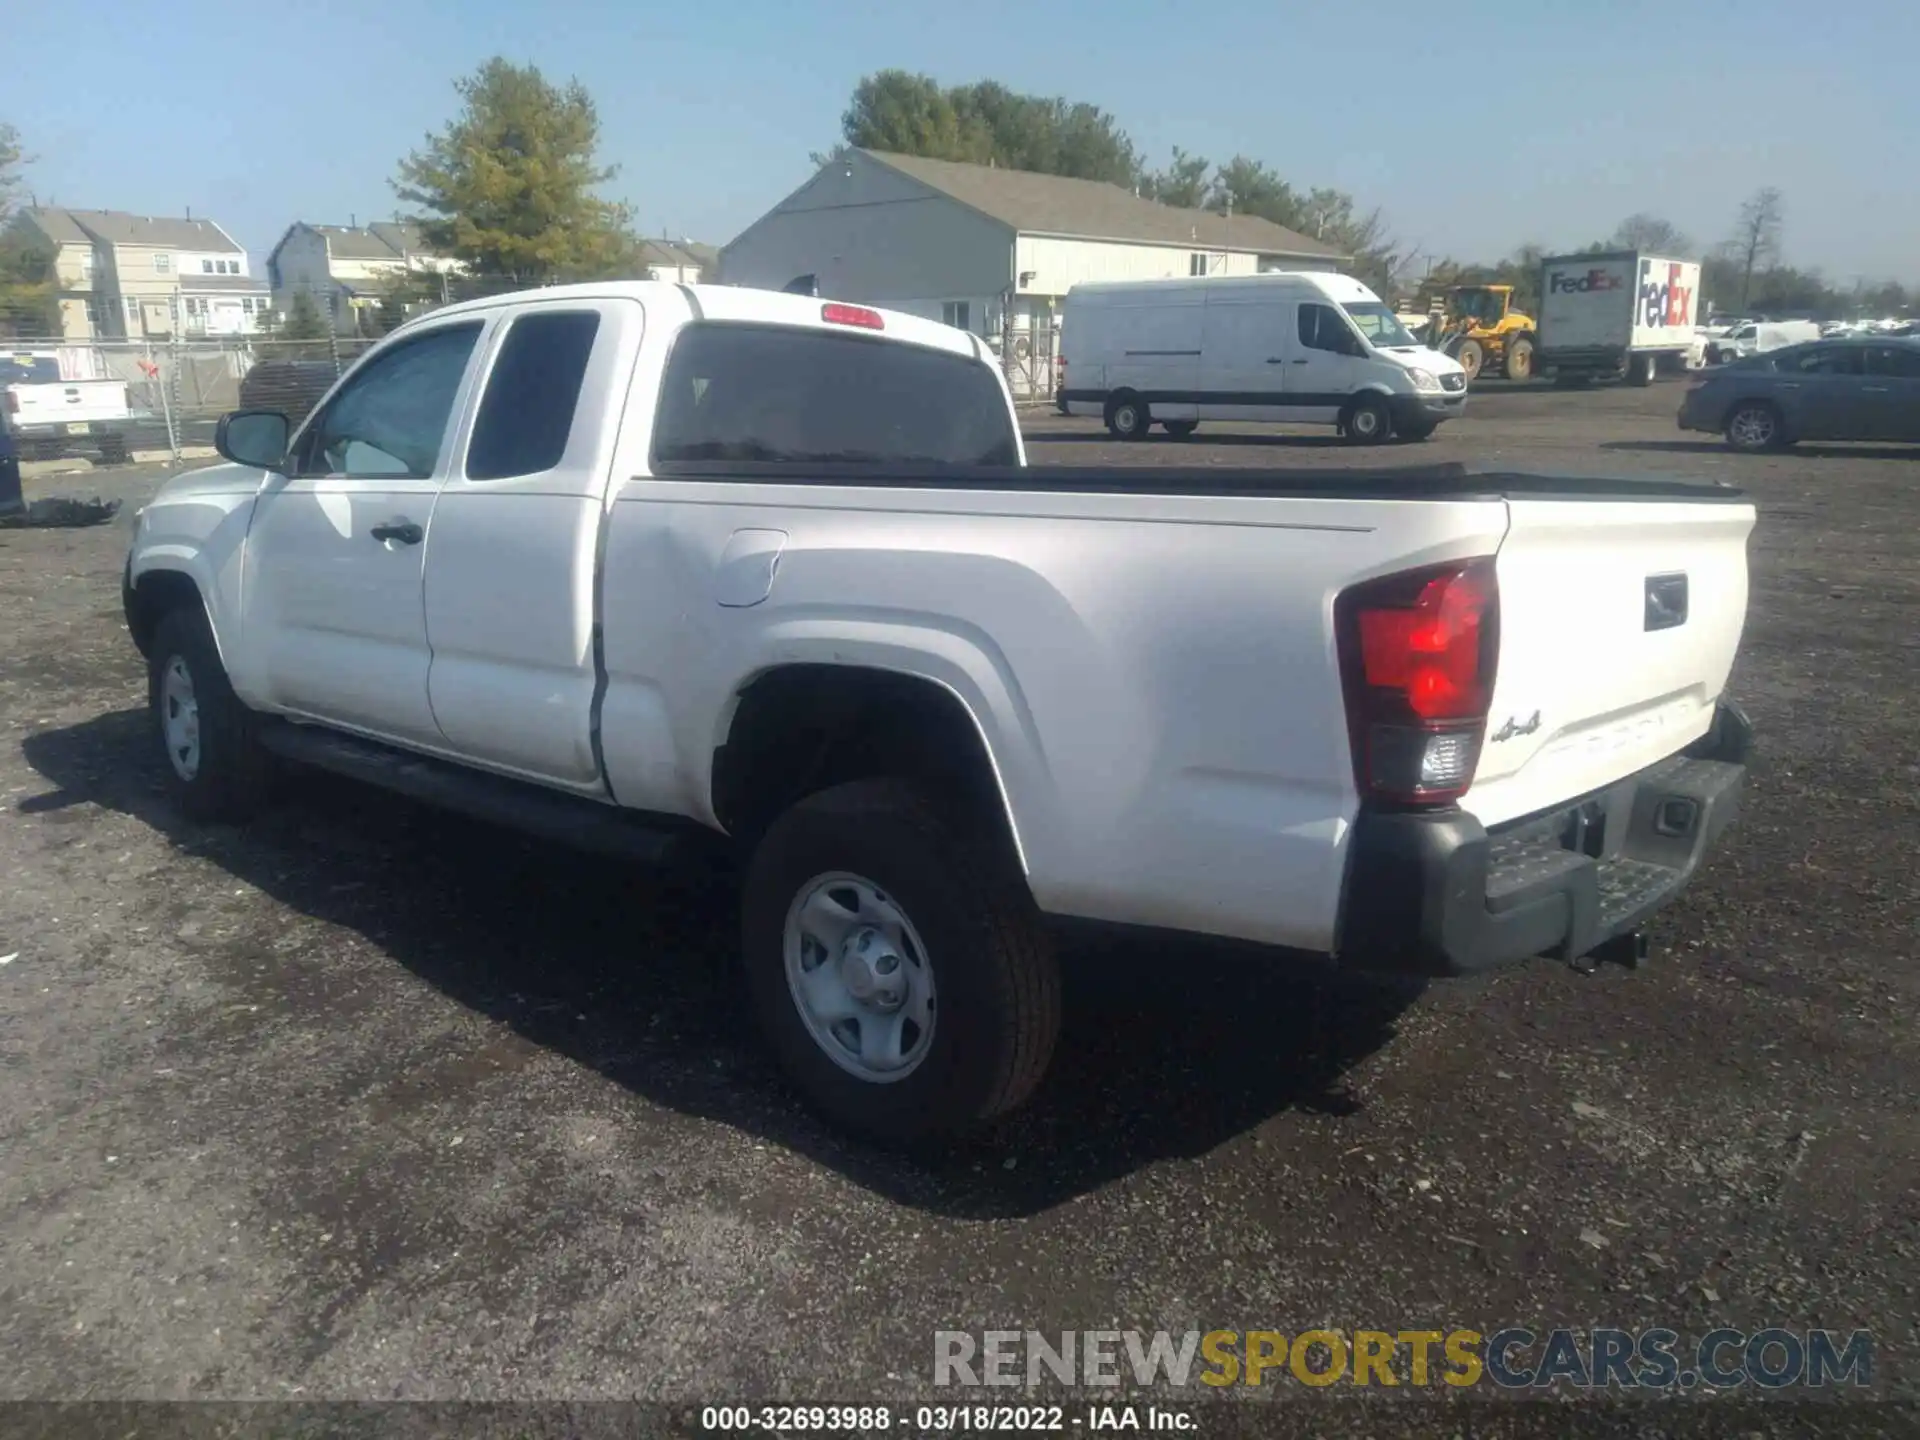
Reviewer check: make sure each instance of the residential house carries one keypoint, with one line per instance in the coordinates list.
(990, 250)
(347, 268)
(686, 262)
(77, 301)
(126, 276)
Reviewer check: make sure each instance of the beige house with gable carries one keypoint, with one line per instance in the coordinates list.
(125, 276)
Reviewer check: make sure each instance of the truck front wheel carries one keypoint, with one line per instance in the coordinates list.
(896, 963)
(215, 764)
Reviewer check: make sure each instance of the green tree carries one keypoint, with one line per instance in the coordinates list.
(1641, 231)
(909, 114)
(304, 320)
(1756, 236)
(986, 123)
(28, 306)
(403, 294)
(1186, 183)
(511, 184)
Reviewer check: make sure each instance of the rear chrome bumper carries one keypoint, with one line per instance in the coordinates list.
(1434, 893)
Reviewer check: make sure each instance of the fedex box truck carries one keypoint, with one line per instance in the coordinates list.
(1616, 313)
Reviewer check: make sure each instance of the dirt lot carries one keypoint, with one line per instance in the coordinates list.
(364, 1102)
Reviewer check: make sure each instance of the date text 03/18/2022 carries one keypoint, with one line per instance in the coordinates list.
(946, 1419)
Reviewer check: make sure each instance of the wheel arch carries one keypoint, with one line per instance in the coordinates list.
(154, 593)
(801, 726)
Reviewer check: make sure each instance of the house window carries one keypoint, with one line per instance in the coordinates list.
(206, 267)
(95, 322)
(1196, 265)
(957, 313)
(162, 263)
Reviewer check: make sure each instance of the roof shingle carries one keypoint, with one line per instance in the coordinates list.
(118, 227)
(1095, 210)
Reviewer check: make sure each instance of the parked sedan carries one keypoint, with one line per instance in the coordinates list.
(1842, 389)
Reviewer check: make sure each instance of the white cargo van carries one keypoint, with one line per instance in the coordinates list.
(1292, 345)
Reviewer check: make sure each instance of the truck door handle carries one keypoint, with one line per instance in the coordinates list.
(404, 531)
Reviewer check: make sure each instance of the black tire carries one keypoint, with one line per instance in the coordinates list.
(1180, 429)
(996, 982)
(233, 775)
(1518, 364)
(1641, 369)
(113, 450)
(1754, 426)
(1128, 417)
(1367, 421)
(1472, 356)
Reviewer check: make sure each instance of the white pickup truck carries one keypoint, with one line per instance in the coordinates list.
(634, 563)
(48, 416)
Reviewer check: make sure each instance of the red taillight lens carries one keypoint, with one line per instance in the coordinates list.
(1417, 653)
(858, 315)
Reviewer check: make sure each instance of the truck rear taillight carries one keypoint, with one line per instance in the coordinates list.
(856, 315)
(1417, 656)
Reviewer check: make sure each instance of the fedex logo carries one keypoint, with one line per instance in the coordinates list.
(1595, 279)
(1663, 299)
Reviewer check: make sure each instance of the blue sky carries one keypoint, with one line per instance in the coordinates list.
(1476, 125)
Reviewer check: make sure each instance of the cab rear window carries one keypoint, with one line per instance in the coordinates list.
(29, 370)
(779, 395)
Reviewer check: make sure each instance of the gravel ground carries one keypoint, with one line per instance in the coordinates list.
(363, 1102)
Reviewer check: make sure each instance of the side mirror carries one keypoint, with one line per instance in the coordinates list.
(254, 438)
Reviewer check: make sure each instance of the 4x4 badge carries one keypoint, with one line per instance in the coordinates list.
(1513, 727)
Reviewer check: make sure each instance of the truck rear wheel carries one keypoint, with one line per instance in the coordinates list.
(216, 766)
(1642, 368)
(896, 963)
(1519, 361)
(1128, 417)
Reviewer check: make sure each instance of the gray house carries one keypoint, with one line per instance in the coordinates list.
(989, 250)
(345, 268)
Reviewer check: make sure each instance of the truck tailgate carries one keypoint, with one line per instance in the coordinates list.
(1618, 624)
(66, 402)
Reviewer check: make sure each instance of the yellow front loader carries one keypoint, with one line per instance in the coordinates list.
(1478, 326)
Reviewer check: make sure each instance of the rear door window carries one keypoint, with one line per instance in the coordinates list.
(29, 370)
(763, 394)
(1826, 360)
(527, 412)
(1899, 361)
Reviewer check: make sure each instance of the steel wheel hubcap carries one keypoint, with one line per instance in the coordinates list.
(1366, 422)
(180, 718)
(859, 977)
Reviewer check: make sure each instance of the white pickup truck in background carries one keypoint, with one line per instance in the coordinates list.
(630, 565)
(49, 416)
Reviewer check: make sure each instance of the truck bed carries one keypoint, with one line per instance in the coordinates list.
(1449, 481)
